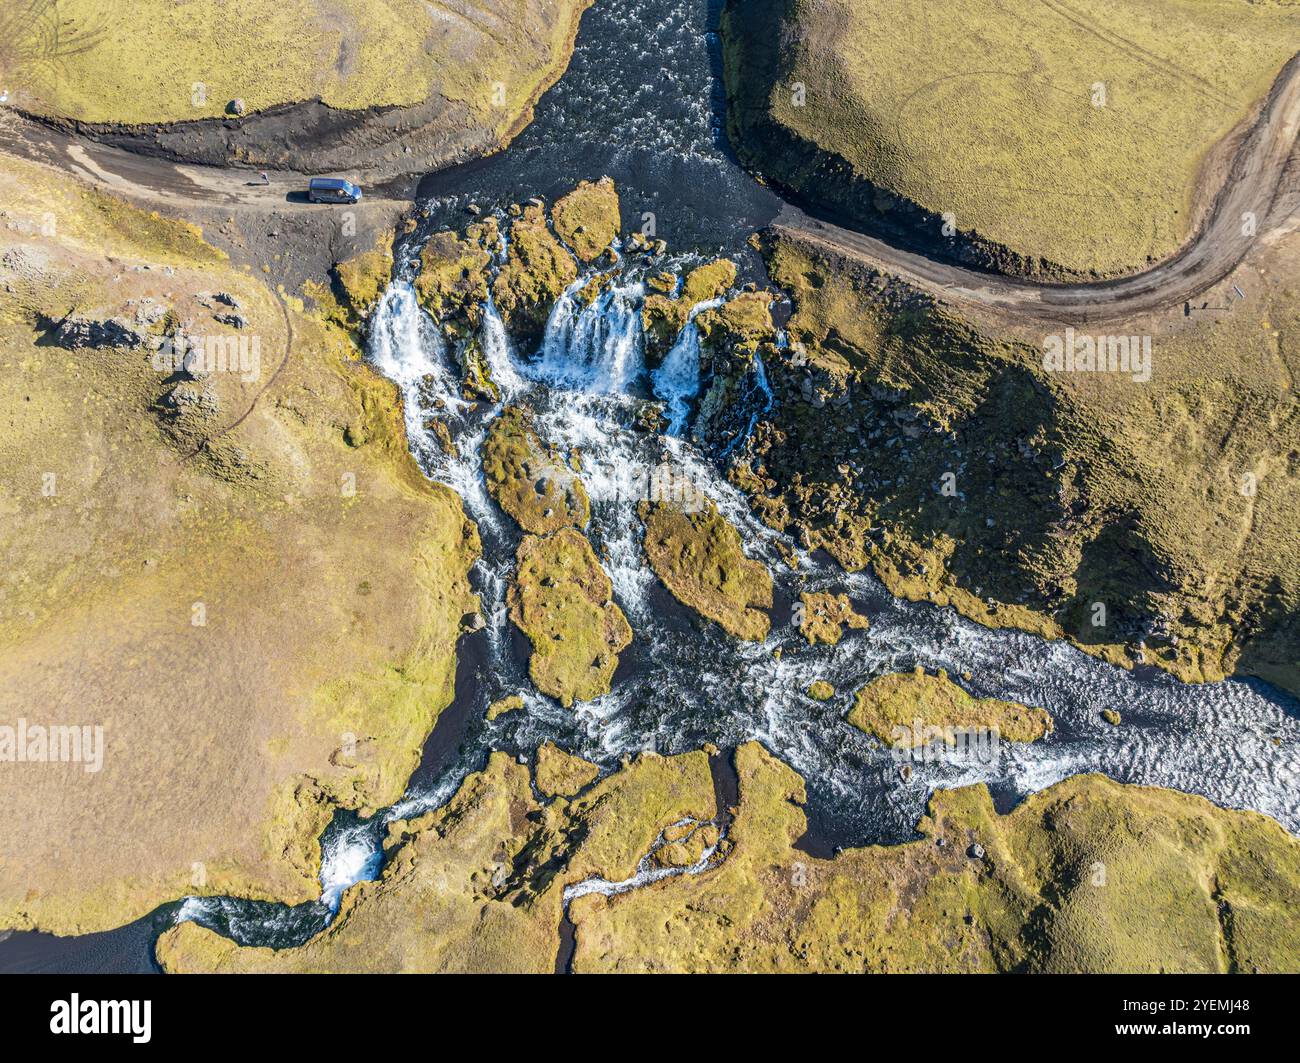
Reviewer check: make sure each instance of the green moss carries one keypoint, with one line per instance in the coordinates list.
(664, 316)
(824, 616)
(685, 844)
(536, 272)
(587, 219)
(945, 458)
(911, 709)
(530, 483)
(1088, 875)
(359, 282)
(742, 322)
(452, 283)
(503, 705)
(699, 557)
(563, 601)
(561, 774)
(1111, 717)
(820, 690)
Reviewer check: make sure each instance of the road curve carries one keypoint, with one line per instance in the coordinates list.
(1251, 189)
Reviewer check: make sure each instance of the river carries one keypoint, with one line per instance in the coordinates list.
(641, 102)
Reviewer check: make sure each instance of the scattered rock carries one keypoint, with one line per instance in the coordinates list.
(76, 333)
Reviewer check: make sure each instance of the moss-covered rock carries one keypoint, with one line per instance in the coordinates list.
(587, 219)
(359, 281)
(563, 601)
(561, 774)
(1087, 506)
(664, 315)
(452, 284)
(824, 616)
(909, 709)
(501, 706)
(536, 272)
(821, 690)
(527, 480)
(699, 557)
(685, 844)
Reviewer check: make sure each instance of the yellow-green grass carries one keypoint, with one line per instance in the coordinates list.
(528, 480)
(823, 616)
(700, 558)
(478, 885)
(564, 602)
(264, 625)
(536, 271)
(907, 710)
(664, 313)
(1087, 876)
(561, 774)
(1069, 131)
(144, 61)
(587, 219)
(1171, 503)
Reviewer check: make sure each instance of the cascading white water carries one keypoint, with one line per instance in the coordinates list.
(496, 352)
(592, 347)
(583, 388)
(690, 688)
(677, 380)
(406, 346)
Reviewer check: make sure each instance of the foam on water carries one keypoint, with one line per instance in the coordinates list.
(691, 684)
(592, 347)
(677, 380)
(684, 683)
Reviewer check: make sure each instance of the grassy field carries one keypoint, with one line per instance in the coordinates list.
(478, 884)
(263, 625)
(1068, 131)
(1087, 875)
(137, 61)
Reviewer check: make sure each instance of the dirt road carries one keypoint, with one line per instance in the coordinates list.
(1247, 207)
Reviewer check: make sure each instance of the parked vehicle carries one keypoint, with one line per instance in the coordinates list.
(332, 190)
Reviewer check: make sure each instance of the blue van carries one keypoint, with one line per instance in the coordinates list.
(332, 190)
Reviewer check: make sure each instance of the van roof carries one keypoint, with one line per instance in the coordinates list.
(329, 182)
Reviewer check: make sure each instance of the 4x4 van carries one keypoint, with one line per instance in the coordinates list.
(332, 190)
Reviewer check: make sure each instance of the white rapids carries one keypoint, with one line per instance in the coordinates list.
(586, 382)
(683, 683)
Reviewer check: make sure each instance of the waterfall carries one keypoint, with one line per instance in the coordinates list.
(677, 380)
(594, 348)
(496, 352)
(406, 346)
